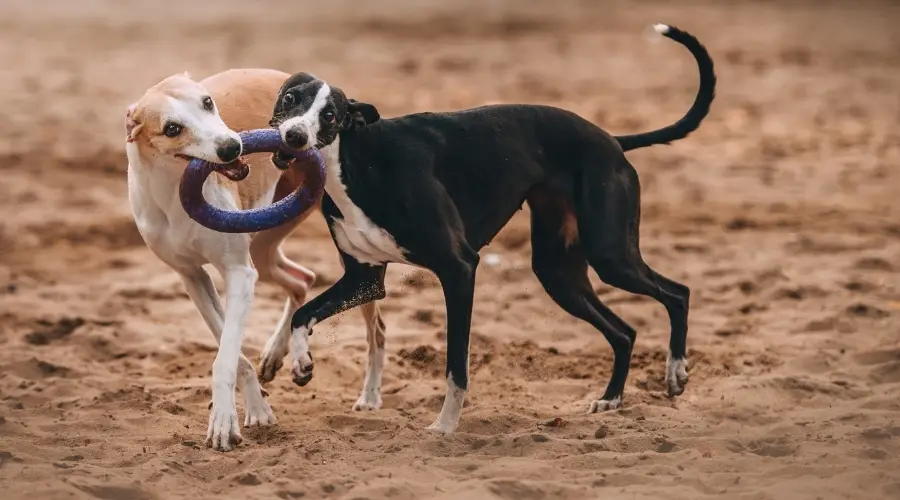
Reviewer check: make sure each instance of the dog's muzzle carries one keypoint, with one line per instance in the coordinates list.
(295, 138)
(228, 150)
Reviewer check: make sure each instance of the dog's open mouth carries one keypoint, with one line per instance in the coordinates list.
(237, 170)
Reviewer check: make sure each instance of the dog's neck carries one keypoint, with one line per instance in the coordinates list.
(331, 155)
(156, 177)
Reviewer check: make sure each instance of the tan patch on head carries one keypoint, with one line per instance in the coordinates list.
(178, 86)
(148, 117)
(149, 134)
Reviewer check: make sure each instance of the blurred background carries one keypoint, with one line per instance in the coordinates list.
(780, 213)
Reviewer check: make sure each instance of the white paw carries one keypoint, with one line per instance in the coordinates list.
(257, 410)
(448, 419)
(223, 433)
(302, 371)
(272, 358)
(602, 405)
(368, 400)
(676, 375)
(302, 367)
(439, 427)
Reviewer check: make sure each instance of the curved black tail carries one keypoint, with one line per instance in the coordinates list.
(705, 95)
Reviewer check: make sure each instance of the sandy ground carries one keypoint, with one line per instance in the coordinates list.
(781, 213)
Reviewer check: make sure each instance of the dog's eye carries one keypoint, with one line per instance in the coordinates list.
(329, 116)
(287, 101)
(208, 103)
(172, 129)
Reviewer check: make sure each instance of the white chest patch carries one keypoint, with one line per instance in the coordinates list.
(165, 227)
(356, 234)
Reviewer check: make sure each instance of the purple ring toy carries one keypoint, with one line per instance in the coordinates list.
(190, 190)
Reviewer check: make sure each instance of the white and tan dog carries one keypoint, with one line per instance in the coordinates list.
(180, 119)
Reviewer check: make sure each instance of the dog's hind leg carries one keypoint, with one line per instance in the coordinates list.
(276, 348)
(608, 211)
(370, 396)
(274, 267)
(296, 280)
(560, 265)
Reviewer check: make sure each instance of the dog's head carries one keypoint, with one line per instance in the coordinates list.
(177, 117)
(310, 113)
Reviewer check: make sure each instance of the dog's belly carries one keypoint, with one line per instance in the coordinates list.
(361, 239)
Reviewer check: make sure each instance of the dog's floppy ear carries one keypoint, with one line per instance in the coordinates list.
(132, 126)
(361, 114)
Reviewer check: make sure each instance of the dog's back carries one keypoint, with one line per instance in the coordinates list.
(476, 153)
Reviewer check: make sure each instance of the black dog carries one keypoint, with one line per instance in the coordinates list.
(431, 189)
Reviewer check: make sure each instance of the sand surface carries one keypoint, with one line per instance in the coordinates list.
(781, 213)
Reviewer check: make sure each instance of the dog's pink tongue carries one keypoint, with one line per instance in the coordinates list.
(237, 170)
(257, 219)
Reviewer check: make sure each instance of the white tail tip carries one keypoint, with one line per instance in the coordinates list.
(662, 29)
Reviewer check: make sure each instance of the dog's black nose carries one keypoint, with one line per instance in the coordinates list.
(229, 150)
(295, 138)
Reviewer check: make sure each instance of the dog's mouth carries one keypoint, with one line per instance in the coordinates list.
(237, 170)
(282, 160)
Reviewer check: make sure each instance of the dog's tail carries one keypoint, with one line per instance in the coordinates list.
(705, 95)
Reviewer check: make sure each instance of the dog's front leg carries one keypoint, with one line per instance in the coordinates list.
(202, 291)
(224, 432)
(458, 282)
(360, 284)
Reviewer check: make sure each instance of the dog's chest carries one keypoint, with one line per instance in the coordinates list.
(151, 218)
(167, 230)
(354, 233)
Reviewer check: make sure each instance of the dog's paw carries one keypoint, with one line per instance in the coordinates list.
(676, 375)
(442, 428)
(368, 401)
(257, 410)
(302, 367)
(272, 359)
(268, 367)
(602, 405)
(302, 371)
(224, 433)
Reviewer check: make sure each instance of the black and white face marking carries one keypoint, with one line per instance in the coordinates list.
(310, 113)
